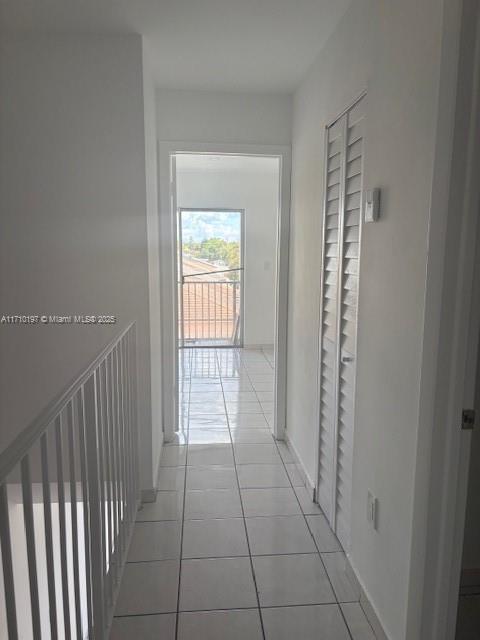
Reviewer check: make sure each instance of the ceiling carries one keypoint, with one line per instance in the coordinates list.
(229, 45)
(193, 163)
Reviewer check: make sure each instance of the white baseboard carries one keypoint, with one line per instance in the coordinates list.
(365, 603)
(149, 495)
(156, 468)
(258, 346)
(309, 484)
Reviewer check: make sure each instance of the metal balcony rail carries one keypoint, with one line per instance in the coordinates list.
(68, 501)
(210, 273)
(210, 312)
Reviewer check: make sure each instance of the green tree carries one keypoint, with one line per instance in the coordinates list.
(216, 250)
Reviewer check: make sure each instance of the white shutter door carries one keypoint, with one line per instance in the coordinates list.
(348, 304)
(335, 152)
(339, 302)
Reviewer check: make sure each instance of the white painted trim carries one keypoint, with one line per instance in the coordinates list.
(309, 484)
(331, 121)
(318, 394)
(281, 315)
(241, 211)
(365, 602)
(156, 467)
(451, 322)
(258, 347)
(166, 232)
(167, 149)
(148, 495)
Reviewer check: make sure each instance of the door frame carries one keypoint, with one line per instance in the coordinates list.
(167, 152)
(242, 263)
(451, 333)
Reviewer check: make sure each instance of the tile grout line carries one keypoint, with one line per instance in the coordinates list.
(257, 555)
(235, 467)
(301, 511)
(258, 399)
(270, 606)
(245, 523)
(303, 514)
(300, 506)
(283, 463)
(278, 515)
(316, 545)
(183, 505)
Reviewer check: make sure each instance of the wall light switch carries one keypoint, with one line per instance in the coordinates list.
(372, 205)
(372, 510)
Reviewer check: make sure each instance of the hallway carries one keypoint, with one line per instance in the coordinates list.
(233, 548)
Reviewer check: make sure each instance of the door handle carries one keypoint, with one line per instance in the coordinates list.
(347, 359)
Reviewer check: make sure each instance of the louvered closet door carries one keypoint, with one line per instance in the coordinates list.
(339, 322)
(328, 353)
(348, 319)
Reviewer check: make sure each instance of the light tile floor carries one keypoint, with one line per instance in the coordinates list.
(233, 548)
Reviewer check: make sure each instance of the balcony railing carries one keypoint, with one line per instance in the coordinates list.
(210, 313)
(68, 501)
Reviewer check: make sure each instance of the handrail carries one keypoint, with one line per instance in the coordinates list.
(209, 273)
(210, 311)
(22, 443)
(213, 282)
(81, 454)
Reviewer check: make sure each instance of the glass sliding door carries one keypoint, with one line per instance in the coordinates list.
(210, 278)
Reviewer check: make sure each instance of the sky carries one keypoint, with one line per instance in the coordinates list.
(200, 225)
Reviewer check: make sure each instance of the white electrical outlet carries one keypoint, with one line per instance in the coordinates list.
(372, 510)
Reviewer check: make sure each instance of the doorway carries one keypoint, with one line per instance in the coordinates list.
(260, 319)
(210, 277)
(468, 616)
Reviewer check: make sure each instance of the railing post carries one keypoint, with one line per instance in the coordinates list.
(91, 429)
(6, 545)
(63, 527)
(74, 510)
(234, 313)
(31, 547)
(47, 517)
(96, 533)
(135, 411)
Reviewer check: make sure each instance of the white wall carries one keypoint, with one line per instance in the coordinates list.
(204, 116)
(154, 284)
(255, 190)
(393, 50)
(73, 224)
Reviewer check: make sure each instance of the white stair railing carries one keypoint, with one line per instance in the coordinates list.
(68, 501)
